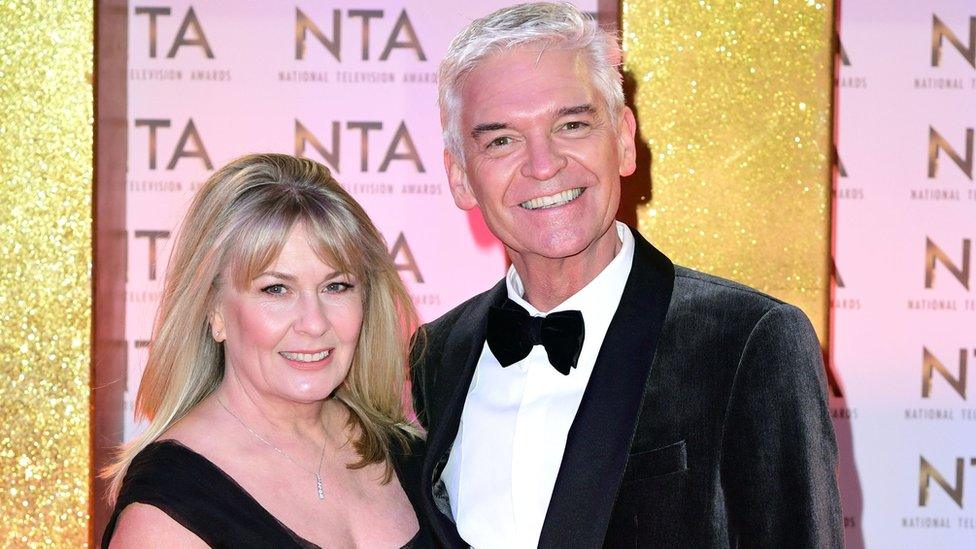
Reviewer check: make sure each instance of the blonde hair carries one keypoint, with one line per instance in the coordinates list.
(240, 220)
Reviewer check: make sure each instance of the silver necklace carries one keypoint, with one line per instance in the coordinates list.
(319, 488)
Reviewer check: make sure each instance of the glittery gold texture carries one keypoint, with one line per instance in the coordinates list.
(46, 50)
(734, 101)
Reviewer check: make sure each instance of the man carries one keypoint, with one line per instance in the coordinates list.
(599, 395)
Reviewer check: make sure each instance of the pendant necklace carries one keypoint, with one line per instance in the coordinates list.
(319, 488)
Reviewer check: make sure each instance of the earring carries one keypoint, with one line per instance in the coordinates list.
(216, 334)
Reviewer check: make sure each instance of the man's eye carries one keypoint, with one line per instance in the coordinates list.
(275, 289)
(575, 125)
(338, 287)
(499, 141)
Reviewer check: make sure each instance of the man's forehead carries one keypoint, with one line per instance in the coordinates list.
(512, 84)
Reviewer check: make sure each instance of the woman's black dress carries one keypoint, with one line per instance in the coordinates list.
(206, 501)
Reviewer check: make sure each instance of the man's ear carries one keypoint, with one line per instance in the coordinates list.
(626, 148)
(457, 178)
(217, 326)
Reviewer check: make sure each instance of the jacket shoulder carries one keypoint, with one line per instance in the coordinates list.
(692, 285)
(720, 306)
(431, 337)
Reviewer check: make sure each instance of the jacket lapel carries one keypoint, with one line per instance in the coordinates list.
(456, 369)
(599, 440)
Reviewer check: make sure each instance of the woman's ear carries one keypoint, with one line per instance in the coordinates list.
(217, 326)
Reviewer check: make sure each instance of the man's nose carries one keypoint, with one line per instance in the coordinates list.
(313, 318)
(544, 158)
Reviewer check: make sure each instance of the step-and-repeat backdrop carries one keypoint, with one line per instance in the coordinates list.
(905, 299)
(348, 83)
(352, 85)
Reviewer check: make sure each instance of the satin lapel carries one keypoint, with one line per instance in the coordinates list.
(457, 365)
(600, 438)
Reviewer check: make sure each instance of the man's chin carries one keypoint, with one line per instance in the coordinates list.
(556, 246)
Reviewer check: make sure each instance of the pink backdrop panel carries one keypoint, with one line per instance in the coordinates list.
(907, 430)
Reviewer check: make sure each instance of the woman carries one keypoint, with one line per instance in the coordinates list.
(274, 382)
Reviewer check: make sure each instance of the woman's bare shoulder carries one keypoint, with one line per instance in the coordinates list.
(196, 430)
(142, 525)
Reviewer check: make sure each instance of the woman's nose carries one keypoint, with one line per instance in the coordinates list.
(313, 318)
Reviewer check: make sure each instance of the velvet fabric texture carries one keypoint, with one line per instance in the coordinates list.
(704, 424)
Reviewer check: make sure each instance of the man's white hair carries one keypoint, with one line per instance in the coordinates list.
(559, 25)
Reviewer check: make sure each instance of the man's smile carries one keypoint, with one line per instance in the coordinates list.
(553, 200)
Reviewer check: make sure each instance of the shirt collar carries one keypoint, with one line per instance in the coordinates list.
(591, 300)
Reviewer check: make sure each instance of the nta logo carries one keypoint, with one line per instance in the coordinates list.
(402, 36)
(928, 473)
(189, 145)
(183, 37)
(931, 364)
(938, 143)
(940, 31)
(844, 59)
(152, 238)
(934, 253)
(841, 170)
(400, 147)
(403, 258)
(835, 273)
(401, 253)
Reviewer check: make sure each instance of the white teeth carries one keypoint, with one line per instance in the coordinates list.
(554, 200)
(305, 357)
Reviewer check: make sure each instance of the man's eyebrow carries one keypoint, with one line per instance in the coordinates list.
(585, 108)
(578, 109)
(487, 127)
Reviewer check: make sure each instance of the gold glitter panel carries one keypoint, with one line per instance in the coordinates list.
(734, 101)
(45, 263)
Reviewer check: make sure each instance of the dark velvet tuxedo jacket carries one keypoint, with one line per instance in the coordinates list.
(704, 423)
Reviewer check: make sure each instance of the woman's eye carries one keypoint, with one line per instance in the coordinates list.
(275, 289)
(338, 287)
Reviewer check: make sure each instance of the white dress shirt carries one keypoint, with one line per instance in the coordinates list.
(513, 430)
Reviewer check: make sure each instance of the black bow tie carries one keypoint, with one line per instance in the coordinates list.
(512, 333)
